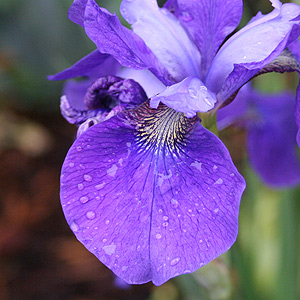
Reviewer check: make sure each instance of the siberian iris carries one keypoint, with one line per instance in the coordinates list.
(269, 120)
(145, 187)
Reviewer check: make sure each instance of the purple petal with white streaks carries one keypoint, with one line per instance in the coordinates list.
(247, 52)
(208, 23)
(111, 37)
(152, 194)
(165, 36)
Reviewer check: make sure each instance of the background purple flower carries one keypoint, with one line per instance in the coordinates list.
(271, 134)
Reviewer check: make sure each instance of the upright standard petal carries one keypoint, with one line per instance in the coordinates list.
(111, 37)
(152, 194)
(244, 54)
(165, 36)
(209, 22)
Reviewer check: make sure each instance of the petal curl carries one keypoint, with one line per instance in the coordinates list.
(152, 194)
(247, 52)
(209, 22)
(164, 35)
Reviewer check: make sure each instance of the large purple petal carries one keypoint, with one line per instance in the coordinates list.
(165, 36)
(93, 65)
(253, 48)
(209, 22)
(111, 37)
(152, 194)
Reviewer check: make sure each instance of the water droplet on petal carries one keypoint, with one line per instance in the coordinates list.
(165, 218)
(90, 214)
(71, 165)
(174, 203)
(219, 181)
(158, 236)
(74, 226)
(186, 16)
(165, 224)
(84, 199)
(79, 148)
(87, 177)
(207, 101)
(80, 186)
(175, 261)
(192, 92)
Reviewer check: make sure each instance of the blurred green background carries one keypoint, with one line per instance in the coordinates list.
(39, 256)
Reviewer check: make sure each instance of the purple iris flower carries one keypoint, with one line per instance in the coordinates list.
(145, 187)
(269, 120)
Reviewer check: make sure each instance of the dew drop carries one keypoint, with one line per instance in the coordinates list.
(174, 203)
(84, 199)
(207, 101)
(71, 165)
(158, 236)
(79, 148)
(90, 214)
(186, 16)
(203, 88)
(219, 181)
(215, 168)
(165, 218)
(107, 222)
(175, 261)
(87, 177)
(80, 186)
(216, 210)
(192, 92)
(74, 226)
(160, 211)
(165, 224)
(99, 186)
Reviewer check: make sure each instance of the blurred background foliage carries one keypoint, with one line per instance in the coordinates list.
(39, 256)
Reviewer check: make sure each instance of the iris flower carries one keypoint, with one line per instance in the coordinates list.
(269, 120)
(145, 187)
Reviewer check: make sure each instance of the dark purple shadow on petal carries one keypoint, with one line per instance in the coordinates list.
(84, 100)
(152, 194)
